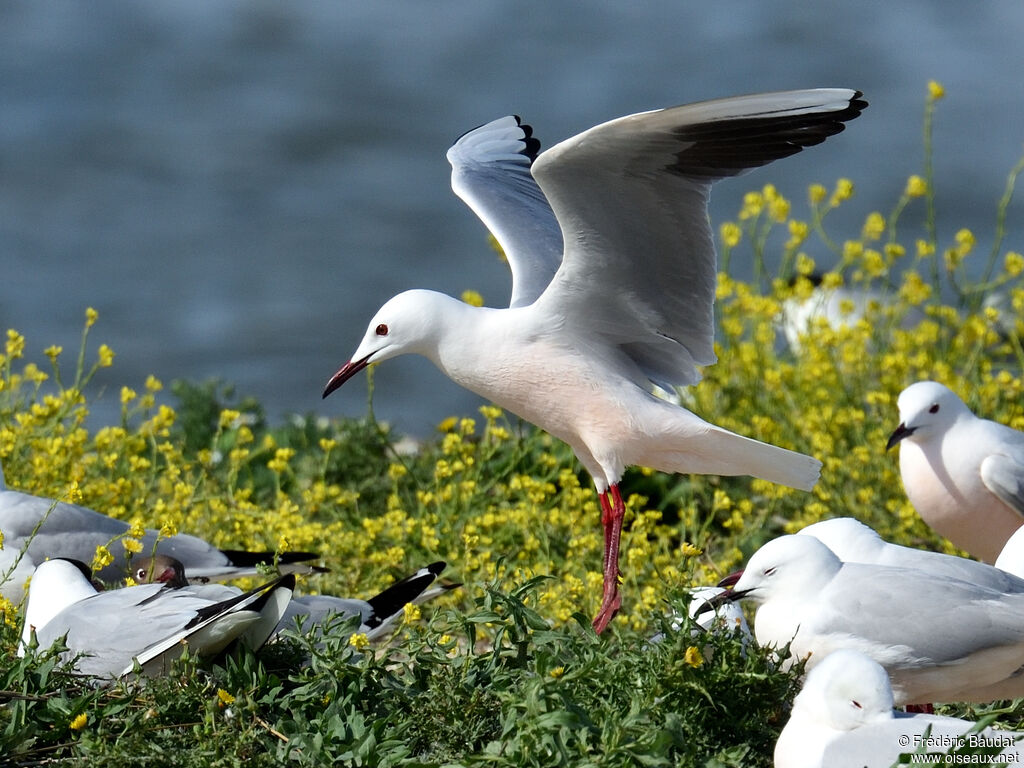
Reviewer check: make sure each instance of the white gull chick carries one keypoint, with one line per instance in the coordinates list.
(627, 303)
(35, 528)
(854, 542)
(843, 717)
(150, 624)
(377, 614)
(937, 637)
(964, 475)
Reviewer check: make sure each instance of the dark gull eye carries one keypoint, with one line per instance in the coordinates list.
(382, 330)
(933, 409)
(857, 704)
(769, 571)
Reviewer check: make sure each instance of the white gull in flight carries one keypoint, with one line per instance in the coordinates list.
(613, 266)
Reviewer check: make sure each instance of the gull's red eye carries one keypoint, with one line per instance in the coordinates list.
(382, 330)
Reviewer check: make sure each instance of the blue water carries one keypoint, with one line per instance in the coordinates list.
(237, 186)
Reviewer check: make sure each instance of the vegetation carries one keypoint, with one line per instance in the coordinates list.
(506, 671)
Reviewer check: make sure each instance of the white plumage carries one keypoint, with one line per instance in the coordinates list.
(613, 265)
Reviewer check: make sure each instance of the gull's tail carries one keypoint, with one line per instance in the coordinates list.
(716, 451)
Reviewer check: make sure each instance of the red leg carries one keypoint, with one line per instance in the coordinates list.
(612, 514)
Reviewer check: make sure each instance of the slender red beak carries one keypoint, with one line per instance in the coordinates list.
(346, 372)
(730, 581)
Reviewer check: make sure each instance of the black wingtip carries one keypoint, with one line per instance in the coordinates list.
(531, 143)
(244, 559)
(392, 599)
(730, 146)
(287, 581)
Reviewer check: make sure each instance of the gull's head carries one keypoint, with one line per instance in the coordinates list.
(787, 567)
(408, 322)
(846, 690)
(927, 409)
(160, 569)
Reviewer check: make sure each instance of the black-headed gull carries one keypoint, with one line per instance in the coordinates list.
(626, 303)
(377, 614)
(854, 542)
(36, 528)
(107, 633)
(964, 475)
(938, 638)
(843, 717)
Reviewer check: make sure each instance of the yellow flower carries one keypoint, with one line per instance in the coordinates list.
(359, 641)
(53, 352)
(730, 234)
(490, 412)
(753, 204)
(816, 193)
(91, 316)
(224, 698)
(102, 558)
(228, 417)
(280, 461)
(127, 395)
(447, 425)
(105, 356)
(1014, 263)
(693, 657)
(798, 231)
(15, 344)
(916, 187)
(168, 530)
(131, 545)
(874, 226)
(473, 298)
(688, 550)
(842, 192)
(557, 672)
(935, 90)
(410, 613)
(328, 444)
(153, 384)
(778, 208)
(79, 722)
(804, 264)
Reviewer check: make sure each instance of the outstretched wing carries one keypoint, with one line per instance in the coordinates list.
(491, 173)
(631, 196)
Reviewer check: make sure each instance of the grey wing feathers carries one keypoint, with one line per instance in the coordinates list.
(631, 197)
(491, 173)
(1004, 476)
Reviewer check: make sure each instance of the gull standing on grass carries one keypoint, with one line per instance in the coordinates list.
(35, 528)
(964, 475)
(939, 638)
(108, 632)
(843, 718)
(627, 303)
